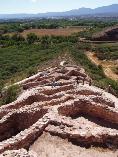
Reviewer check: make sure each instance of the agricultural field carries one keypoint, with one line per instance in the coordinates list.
(55, 32)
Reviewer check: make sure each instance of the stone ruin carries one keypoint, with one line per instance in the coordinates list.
(52, 102)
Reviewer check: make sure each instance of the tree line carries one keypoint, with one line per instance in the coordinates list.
(32, 38)
(20, 26)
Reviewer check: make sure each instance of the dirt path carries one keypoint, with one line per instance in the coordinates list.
(107, 65)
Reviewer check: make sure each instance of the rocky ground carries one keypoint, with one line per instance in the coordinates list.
(51, 108)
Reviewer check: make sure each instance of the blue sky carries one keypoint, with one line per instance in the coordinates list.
(36, 6)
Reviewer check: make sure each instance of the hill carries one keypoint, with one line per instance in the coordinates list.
(111, 10)
(109, 34)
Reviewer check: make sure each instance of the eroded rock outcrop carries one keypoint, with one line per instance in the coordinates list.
(52, 102)
(110, 34)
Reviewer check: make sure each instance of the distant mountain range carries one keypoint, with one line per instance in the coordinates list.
(111, 10)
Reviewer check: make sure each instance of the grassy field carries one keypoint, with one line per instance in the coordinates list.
(21, 61)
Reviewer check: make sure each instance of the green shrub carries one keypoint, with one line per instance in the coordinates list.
(11, 94)
(106, 52)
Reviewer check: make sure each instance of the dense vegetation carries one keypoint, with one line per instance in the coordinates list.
(106, 52)
(10, 94)
(20, 26)
(20, 57)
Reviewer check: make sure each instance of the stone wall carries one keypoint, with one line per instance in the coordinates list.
(80, 113)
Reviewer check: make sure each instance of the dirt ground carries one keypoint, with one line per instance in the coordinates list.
(53, 146)
(57, 32)
(107, 65)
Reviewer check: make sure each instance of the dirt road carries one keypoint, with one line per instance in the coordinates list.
(107, 65)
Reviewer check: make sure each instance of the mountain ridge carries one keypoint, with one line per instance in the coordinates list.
(104, 10)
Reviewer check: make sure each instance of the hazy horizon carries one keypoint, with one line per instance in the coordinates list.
(43, 6)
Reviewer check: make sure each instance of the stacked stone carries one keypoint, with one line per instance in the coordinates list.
(59, 110)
